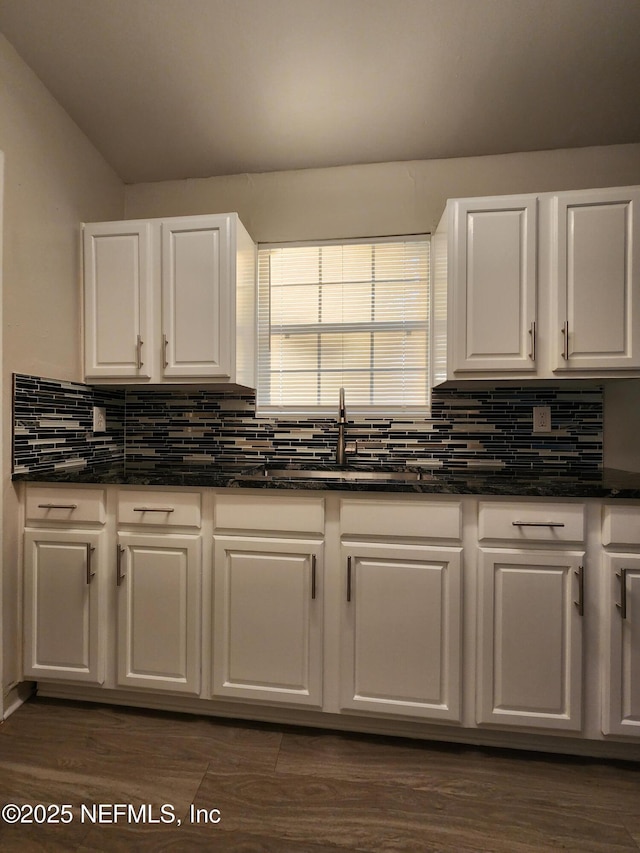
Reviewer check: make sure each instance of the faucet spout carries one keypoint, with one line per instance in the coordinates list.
(341, 454)
(342, 412)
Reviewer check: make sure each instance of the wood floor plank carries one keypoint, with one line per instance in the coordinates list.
(286, 790)
(105, 731)
(515, 777)
(380, 817)
(191, 838)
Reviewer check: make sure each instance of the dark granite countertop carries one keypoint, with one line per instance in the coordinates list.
(606, 484)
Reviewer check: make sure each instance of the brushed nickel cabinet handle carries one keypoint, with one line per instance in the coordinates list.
(565, 346)
(313, 576)
(532, 333)
(153, 509)
(139, 343)
(537, 523)
(90, 574)
(580, 602)
(165, 343)
(57, 506)
(622, 607)
(120, 576)
(348, 578)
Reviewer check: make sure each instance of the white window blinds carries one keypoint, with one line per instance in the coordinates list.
(352, 315)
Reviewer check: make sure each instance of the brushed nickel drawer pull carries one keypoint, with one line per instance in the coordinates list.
(313, 576)
(532, 333)
(57, 506)
(538, 523)
(90, 574)
(120, 576)
(580, 602)
(165, 344)
(565, 346)
(348, 578)
(139, 343)
(622, 607)
(153, 509)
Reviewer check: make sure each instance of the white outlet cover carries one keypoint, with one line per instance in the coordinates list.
(99, 419)
(541, 419)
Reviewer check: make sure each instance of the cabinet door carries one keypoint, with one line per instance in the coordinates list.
(197, 286)
(621, 705)
(530, 638)
(402, 630)
(159, 612)
(597, 271)
(267, 640)
(63, 614)
(117, 270)
(494, 284)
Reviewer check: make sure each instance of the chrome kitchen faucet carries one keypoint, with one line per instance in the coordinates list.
(341, 455)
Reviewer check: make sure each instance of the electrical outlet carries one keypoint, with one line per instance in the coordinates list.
(541, 419)
(99, 419)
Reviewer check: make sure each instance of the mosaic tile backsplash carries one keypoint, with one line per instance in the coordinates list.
(53, 425)
(162, 428)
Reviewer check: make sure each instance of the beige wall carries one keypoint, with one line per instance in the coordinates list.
(53, 180)
(387, 198)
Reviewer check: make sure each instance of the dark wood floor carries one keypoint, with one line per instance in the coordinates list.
(283, 790)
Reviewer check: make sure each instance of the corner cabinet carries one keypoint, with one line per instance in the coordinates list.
(64, 585)
(538, 286)
(170, 300)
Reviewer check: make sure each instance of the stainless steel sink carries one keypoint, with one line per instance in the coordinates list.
(337, 474)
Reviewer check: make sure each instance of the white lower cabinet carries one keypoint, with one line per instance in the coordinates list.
(402, 630)
(621, 682)
(158, 602)
(420, 614)
(267, 620)
(530, 638)
(621, 706)
(64, 627)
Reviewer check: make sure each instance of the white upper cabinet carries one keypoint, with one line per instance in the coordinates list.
(494, 263)
(170, 300)
(596, 276)
(539, 286)
(117, 306)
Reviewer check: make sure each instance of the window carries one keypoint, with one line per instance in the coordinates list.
(352, 315)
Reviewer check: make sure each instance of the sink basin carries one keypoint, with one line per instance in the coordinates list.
(337, 474)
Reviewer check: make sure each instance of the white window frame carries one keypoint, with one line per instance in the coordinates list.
(360, 411)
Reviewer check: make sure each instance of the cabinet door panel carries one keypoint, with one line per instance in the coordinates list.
(598, 279)
(158, 613)
(621, 706)
(267, 620)
(116, 271)
(196, 307)
(495, 284)
(63, 627)
(530, 668)
(401, 632)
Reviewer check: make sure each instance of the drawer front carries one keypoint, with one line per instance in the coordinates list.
(273, 513)
(535, 522)
(423, 519)
(50, 504)
(621, 525)
(143, 508)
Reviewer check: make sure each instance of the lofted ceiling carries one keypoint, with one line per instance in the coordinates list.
(169, 89)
